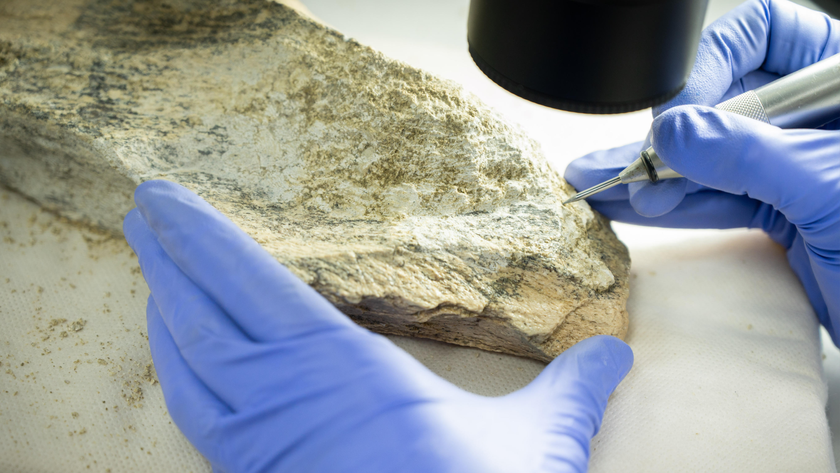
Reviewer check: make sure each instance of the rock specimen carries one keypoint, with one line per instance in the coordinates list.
(406, 202)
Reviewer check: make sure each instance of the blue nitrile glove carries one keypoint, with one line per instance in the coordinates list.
(741, 172)
(262, 374)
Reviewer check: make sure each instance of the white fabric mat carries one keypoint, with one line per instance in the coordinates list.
(727, 374)
(75, 394)
(831, 368)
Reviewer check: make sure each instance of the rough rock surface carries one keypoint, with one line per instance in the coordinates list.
(406, 202)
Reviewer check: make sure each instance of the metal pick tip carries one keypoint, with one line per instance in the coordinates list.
(594, 190)
(572, 199)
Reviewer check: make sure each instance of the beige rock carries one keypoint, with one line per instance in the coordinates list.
(401, 198)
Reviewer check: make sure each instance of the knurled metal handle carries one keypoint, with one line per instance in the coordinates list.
(746, 104)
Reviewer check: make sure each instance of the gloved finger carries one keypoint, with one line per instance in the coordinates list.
(653, 200)
(191, 317)
(210, 343)
(262, 297)
(709, 209)
(236, 369)
(775, 35)
(792, 170)
(800, 37)
(751, 81)
(195, 410)
(573, 391)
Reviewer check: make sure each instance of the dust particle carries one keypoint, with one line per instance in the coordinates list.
(149, 374)
(101, 361)
(78, 325)
(133, 396)
(55, 322)
(74, 415)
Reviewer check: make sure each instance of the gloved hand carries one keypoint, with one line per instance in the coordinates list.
(741, 172)
(261, 373)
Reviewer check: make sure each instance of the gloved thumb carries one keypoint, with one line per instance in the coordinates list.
(740, 155)
(587, 373)
(572, 391)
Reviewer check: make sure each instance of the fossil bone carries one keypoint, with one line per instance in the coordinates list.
(410, 205)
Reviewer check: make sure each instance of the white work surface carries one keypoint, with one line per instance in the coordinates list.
(728, 373)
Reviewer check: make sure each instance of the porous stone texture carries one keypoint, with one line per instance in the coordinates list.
(410, 205)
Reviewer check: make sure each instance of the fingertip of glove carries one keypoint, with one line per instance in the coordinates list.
(132, 223)
(623, 356)
(667, 125)
(678, 131)
(620, 353)
(604, 357)
(655, 200)
(149, 191)
(167, 206)
(651, 207)
(150, 187)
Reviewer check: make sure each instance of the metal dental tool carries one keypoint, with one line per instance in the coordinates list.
(807, 98)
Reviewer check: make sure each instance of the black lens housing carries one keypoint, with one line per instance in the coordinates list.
(589, 56)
